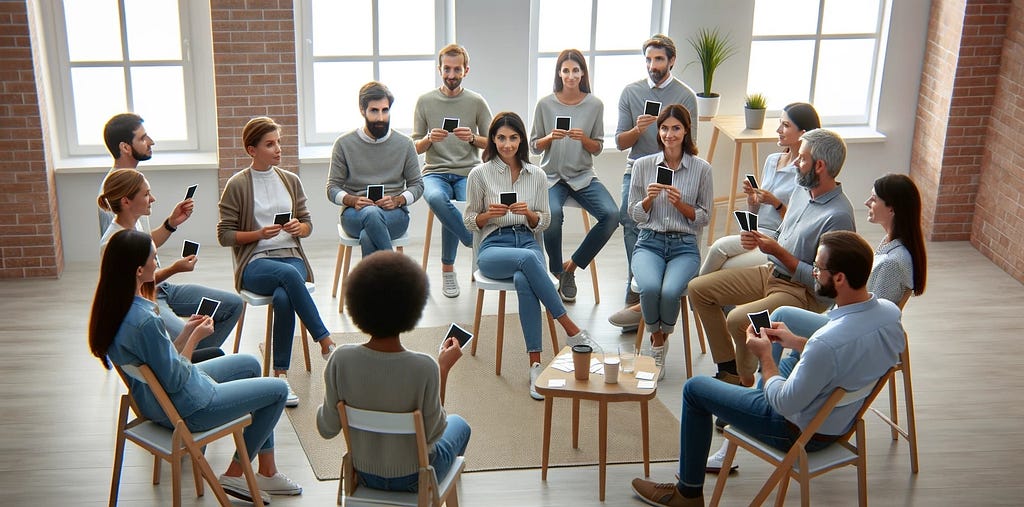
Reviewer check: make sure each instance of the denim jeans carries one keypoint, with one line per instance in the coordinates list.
(241, 389)
(664, 264)
(182, 300)
(375, 226)
(629, 230)
(285, 279)
(438, 190)
(598, 202)
(801, 322)
(743, 407)
(451, 445)
(512, 252)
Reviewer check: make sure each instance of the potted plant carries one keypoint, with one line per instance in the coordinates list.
(712, 49)
(754, 109)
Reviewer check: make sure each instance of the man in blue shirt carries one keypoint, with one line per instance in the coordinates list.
(861, 341)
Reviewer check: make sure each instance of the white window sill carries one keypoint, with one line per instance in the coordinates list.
(162, 161)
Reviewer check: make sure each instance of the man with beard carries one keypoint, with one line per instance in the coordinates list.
(129, 144)
(817, 205)
(861, 341)
(369, 156)
(635, 132)
(450, 155)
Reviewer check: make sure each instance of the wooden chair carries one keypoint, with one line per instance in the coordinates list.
(502, 286)
(433, 491)
(903, 367)
(341, 266)
(801, 465)
(430, 229)
(253, 299)
(572, 203)
(684, 310)
(173, 445)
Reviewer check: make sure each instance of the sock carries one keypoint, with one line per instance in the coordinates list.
(728, 367)
(689, 491)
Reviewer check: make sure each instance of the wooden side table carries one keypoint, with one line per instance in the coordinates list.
(734, 127)
(596, 389)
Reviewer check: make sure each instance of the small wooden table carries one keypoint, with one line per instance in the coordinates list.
(596, 389)
(734, 127)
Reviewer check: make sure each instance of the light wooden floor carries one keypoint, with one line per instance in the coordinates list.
(967, 335)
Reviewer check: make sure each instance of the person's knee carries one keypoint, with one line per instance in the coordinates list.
(697, 389)
(280, 300)
(371, 214)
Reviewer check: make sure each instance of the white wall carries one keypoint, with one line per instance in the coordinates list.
(496, 35)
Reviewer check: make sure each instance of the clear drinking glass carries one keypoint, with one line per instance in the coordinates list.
(627, 358)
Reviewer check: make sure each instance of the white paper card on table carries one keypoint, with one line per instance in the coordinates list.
(568, 368)
(556, 382)
(645, 384)
(644, 375)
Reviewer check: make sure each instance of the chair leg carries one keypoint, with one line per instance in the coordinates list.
(593, 263)
(337, 270)
(640, 334)
(700, 332)
(176, 473)
(305, 345)
(238, 328)
(115, 480)
(250, 477)
(426, 239)
(157, 464)
(266, 340)
(197, 478)
(553, 331)
(686, 337)
(501, 333)
(344, 274)
(908, 399)
(476, 320)
(723, 474)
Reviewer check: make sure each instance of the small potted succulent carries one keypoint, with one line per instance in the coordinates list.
(712, 48)
(754, 108)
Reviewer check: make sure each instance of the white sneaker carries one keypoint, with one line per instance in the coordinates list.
(659, 354)
(715, 461)
(535, 370)
(279, 484)
(449, 284)
(238, 488)
(293, 399)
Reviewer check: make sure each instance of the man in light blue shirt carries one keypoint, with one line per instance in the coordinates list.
(861, 341)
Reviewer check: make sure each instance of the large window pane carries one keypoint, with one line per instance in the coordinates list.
(622, 24)
(336, 86)
(613, 74)
(159, 96)
(154, 31)
(406, 27)
(850, 16)
(91, 113)
(565, 24)
(93, 30)
(785, 17)
(844, 77)
(342, 28)
(781, 70)
(407, 81)
(545, 77)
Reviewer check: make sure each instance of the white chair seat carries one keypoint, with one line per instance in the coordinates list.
(341, 266)
(374, 497)
(484, 283)
(159, 437)
(258, 300)
(250, 298)
(830, 457)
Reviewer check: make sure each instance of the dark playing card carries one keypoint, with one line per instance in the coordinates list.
(207, 307)
(664, 175)
(191, 191)
(752, 221)
(374, 192)
(759, 320)
(741, 218)
(652, 107)
(459, 334)
(189, 248)
(509, 198)
(450, 124)
(282, 218)
(752, 181)
(563, 122)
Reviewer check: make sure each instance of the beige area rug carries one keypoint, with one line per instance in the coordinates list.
(507, 424)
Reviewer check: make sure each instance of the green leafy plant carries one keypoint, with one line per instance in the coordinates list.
(756, 101)
(712, 49)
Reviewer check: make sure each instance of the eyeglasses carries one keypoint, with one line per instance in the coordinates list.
(815, 269)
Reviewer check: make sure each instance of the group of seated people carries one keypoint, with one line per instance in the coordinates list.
(801, 259)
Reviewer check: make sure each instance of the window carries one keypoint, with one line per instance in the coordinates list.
(346, 44)
(112, 56)
(826, 52)
(608, 32)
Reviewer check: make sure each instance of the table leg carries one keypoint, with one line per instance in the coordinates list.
(548, 404)
(714, 142)
(602, 444)
(732, 188)
(575, 423)
(754, 168)
(645, 435)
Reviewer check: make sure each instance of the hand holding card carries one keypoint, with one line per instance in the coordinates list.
(563, 122)
(652, 107)
(450, 124)
(508, 198)
(283, 218)
(752, 181)
(664, 175)
(374, 192)
(752, 221)
(461, 335)
(191, 191)
(207, 307)
(741, 218)
(759, 320)
(189, 248)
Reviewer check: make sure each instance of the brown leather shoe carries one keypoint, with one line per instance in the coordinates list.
(728, 378)
(663, 494)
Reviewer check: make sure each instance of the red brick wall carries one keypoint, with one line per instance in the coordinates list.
(29, 224)
(998, 227)
(254, 68)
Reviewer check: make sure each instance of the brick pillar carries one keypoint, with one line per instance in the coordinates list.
(30, 244)
(254, 68)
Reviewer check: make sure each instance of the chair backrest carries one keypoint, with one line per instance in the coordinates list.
(143, 373)
(392, 423)
(840, 398)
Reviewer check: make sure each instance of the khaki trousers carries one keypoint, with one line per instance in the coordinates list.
(751, 290)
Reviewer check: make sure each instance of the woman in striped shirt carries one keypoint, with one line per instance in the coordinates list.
(671, 216)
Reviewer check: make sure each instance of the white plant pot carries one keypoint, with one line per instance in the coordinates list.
(754, 118)
(707, 107)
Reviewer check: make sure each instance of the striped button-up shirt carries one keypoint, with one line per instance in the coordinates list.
(693, 179)
(486, 183)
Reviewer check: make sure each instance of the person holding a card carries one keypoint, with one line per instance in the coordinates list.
(639, 106)
(670, 196)
(124, 329)
(369, 157)
(382, 375)
(268, 255)
(767, 200)
(862, 340)
(507, 236)
(127, 196)
(449, 127)
(568, 130)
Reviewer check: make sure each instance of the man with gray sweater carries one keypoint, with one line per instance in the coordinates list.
(450, 126)
(374, 174)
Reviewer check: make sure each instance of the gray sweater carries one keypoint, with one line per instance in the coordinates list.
(452, 155)
(631, 105)
(356, 163)
(566, 159)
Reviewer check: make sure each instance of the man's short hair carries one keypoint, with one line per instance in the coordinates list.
(453, 50)
(850, 254)
(372, 91)
(661, 41)
(826, 145)
(120, 129)
(385, 294)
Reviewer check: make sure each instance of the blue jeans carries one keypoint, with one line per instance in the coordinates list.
(451, 445)
(743, 407)
(598, 202)
(512, 252)
(630, 232)
(182, 300)
(438, 190)
(801, 322)
(285, 279)
(374, 226)
(665, 264)
(240, 389)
